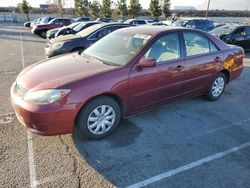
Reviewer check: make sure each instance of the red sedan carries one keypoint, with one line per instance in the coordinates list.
(128, 71)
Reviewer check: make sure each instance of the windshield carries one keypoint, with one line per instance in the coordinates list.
(179, 23)
(89, 30)
(118, 52)
(73, 25)
(79, 27)
(225, 29)
(51, 21)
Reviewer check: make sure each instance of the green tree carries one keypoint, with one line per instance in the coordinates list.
(106, 8)
(94, 9)
(123, 8)
(25, 8)
(155, 9)
(81, 7)
(166, 8)
(134, 8)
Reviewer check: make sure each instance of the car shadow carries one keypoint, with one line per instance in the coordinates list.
(168, 137)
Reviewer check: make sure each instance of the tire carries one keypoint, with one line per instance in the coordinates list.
(216, 88)
(43, 34)
(93, 126)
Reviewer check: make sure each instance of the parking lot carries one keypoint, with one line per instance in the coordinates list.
(190, 143)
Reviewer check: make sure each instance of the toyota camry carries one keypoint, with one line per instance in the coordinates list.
(128, 71)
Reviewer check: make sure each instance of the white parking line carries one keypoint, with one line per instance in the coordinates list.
(32, 167)
(21, 44)
(188, 166)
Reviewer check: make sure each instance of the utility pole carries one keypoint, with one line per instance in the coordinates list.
(208, 4)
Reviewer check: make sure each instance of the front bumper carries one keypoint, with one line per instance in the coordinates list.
(50, 52)
(51, 119)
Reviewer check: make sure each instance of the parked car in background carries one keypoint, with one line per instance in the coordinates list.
(80, 40)
(105, 20)
(135, 22)
(76, 29)
(234, 34)
(41, 29)
(201, 24)
(27, 24)
(36, 21)
(82, 19)
(142, 68)
(158, 24)
(43, 20)
(179, 23)
(51, 33)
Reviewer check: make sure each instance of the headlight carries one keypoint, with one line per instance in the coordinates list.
(57, 46)
(45, 96)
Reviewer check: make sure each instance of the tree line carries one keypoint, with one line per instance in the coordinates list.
(107, 8)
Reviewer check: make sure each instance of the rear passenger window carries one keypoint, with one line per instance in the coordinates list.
(213, 48)
(141, 22)
(197, 44)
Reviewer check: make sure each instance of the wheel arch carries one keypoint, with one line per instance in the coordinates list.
(115, 97)
(227, 74)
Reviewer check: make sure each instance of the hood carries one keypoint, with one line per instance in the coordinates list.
(63, 38)
(58, 71)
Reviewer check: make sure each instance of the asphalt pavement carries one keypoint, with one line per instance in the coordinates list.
(190, 143)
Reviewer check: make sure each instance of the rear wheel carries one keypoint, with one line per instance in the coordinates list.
(216, 88)
(99, 117)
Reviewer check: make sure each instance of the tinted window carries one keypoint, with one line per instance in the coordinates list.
(57, 22)
(165, 48)
(240, 32)
(247, 30)
(141, 22)
(195, 43)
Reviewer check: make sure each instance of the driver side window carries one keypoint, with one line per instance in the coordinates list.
(166, 48)
(240, 32)
(57, 22)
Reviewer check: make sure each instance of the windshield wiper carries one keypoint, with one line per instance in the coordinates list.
(98, 59)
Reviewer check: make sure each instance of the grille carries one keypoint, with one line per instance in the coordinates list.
(21, 91)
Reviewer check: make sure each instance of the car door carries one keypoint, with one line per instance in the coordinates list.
(163, 82)
(202, 61)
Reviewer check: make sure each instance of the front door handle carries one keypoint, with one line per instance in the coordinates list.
(180, 67)
(217, 59)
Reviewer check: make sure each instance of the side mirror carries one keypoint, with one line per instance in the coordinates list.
(146, 62)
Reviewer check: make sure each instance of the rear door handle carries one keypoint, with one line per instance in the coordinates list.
(180, 67)
(217, 59)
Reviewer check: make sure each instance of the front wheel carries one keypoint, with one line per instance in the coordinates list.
(99, 117)
(216, 88)
(43, 34)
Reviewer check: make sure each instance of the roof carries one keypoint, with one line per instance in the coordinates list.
(150, 30)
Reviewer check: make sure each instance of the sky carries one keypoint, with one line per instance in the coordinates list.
(198, 4)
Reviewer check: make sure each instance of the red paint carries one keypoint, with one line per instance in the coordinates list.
(136, 88)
